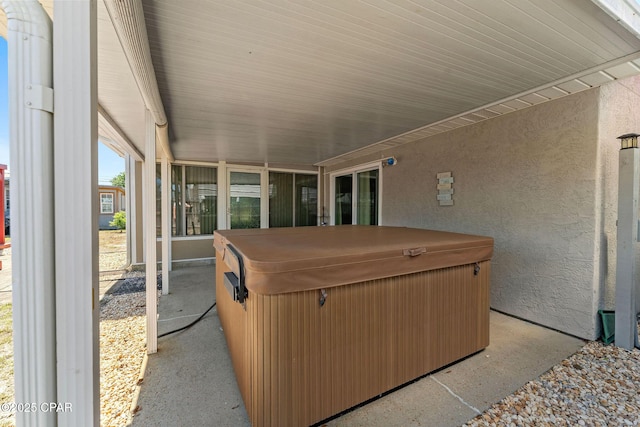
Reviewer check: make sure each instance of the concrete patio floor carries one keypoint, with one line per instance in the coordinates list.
(190, 381)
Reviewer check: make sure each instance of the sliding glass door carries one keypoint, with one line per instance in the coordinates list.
(343, 199)
(367, 199)
(356, 197)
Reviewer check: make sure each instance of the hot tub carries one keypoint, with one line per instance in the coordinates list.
(320, 319)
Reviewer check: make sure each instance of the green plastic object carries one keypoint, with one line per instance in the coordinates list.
(608, 325)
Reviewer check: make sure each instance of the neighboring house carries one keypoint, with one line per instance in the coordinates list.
(111, 199)
(6, 195)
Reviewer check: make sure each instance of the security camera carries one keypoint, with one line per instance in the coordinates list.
(390, 161)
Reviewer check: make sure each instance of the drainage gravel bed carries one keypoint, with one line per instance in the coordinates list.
(597, 386)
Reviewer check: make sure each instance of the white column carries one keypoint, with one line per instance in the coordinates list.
(627, 235)
(149, 208)
(223, 197)
(76, 211)
(165, 219)
(133, 170)
(129, 172)
(137, 199)
(264, 197)
(31, 133)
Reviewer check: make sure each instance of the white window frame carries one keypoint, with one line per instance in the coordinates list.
(102, 211)
(353, 171)
(264, 191)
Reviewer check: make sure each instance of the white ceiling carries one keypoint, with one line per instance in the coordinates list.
(305, 81)
(302, 82)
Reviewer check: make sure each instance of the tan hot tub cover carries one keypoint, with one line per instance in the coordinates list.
(334, 316)
(282, 260)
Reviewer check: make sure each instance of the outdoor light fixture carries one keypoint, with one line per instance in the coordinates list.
(629, 140)
(389, 161)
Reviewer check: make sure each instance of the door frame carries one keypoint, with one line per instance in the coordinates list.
(353, 171)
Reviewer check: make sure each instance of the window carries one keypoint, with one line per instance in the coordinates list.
(306, 200)
(200, 192)
(245, 199)
(280, 199)
(106, 203)
(292, 202)
(293, 199)
(194, 200)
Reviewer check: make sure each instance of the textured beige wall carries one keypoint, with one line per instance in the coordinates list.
(619, 114)
(533, 180)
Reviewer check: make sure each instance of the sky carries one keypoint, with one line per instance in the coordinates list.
(109, 163)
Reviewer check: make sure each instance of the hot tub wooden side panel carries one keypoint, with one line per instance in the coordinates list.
(309, 362)
(233, 319)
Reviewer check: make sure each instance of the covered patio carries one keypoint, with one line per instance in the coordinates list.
(284, 114)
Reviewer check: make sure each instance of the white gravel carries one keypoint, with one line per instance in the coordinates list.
(122, 350)
(597, 386)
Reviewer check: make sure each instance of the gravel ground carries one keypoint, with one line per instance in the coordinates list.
(597, 386)
(122, 347)
(110, 261)
(113, 250)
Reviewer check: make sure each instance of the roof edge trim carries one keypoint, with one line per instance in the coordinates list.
(127, 17)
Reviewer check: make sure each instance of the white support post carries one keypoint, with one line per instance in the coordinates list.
(165, 219)
(129, 171)
(137, 200)
(76, 212)
(134, 208)
(264, 197)
(626, 334)
(223, 197)
(31, 129)
(169, 215)
(149, 207)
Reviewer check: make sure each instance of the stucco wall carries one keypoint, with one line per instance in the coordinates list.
(619, 110)
(528, 179)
